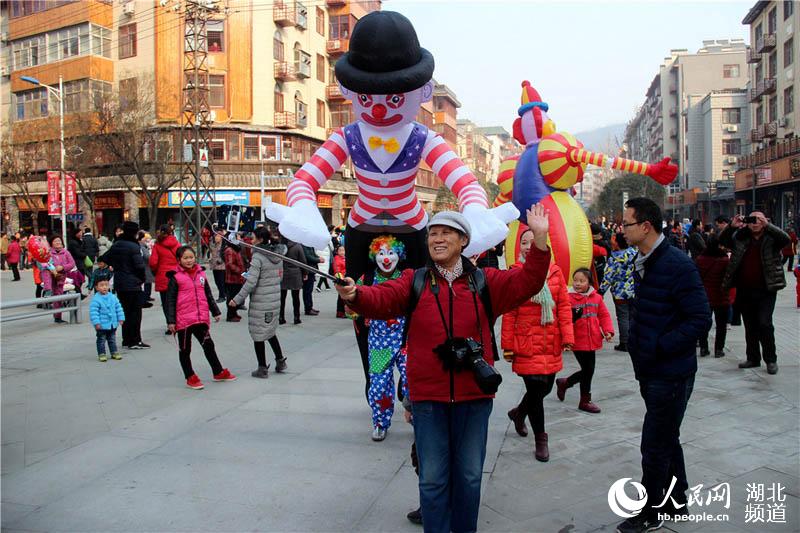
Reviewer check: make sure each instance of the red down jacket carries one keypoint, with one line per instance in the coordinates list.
(537, 347)
(427, 379)
(163, 260)
(594, 321)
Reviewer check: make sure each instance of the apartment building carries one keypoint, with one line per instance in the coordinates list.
(768, 177)
(477, 150)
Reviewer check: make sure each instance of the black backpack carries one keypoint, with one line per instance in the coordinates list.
(477, 284)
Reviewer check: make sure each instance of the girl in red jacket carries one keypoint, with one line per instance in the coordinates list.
(162, 260)
(189, 301)
(533, 337)
(592, 325)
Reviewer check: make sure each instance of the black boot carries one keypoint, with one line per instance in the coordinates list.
(517, 415)
(415, 516)
(280, 365)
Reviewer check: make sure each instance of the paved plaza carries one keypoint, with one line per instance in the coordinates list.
(125, 446)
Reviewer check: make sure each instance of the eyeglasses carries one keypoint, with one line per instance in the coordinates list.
(632, 224)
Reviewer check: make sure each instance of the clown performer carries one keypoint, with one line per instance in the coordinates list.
(387, 76)
(385, 340)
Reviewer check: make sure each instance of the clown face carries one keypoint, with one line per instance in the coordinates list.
(389, 111)
(533, 126)
(387, 259)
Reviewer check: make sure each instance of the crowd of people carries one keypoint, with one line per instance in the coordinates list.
(667, 284)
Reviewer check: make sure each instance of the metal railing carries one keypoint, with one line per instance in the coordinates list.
(74, 309)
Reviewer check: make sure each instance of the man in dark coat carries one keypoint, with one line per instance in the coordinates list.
(90, 245)
(125, 257)
(668, 314)
(757, 273)
(312, 259)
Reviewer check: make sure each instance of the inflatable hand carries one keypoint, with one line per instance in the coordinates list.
(300, 223)
(489, 226)
(663, 171)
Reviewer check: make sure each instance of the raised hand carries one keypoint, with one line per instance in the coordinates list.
(539, 223)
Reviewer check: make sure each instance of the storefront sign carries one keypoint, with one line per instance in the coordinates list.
(220, 197)
(764, 176)
(109, 200)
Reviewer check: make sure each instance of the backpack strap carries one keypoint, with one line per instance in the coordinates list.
(478, 279)
(417, 286)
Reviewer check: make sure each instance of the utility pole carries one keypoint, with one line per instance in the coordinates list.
(197, 175)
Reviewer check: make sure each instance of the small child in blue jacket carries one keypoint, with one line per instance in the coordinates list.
(106, 313)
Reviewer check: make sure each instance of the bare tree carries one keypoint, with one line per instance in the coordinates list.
(19, 165)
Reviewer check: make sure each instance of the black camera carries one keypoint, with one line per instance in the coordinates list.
(749, 220)
(458, 353)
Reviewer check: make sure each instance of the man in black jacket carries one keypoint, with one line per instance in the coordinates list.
(125, 257)
(757, 273)
(668, 314)
(312, 259)
(90, 245)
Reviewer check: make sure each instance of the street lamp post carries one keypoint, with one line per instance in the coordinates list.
(58, 93)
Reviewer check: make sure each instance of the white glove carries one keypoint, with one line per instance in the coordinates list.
(300, 223)
(489, 226)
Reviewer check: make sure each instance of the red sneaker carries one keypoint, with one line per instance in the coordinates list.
(194, 382)
(225, 375)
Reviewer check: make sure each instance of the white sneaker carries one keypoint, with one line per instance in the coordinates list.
(378, 434)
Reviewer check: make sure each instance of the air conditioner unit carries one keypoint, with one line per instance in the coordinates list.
(4, 36)
(731, 159)
(129, 8)
(782, 122)
(733, 128)
(5, 71)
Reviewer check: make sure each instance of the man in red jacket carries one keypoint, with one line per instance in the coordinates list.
(450, 410)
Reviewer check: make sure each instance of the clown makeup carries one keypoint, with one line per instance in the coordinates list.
(387, 259)
(389, 110)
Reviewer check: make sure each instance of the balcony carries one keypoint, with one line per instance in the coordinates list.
(285, 120)
(333, 92)
(284, 71)
(768, 86)
(757, 134)
(755, 95)
(337, 46)
(770, 129)
(284, 14)
(753, 56)
(780, 149)
(766, 43)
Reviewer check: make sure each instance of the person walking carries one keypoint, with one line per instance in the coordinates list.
(451, 408)
(55, 277)
(90, 244)
(695, 242)
(162, 260)
(619, 280)
(712, 264)
(756, 271)
(790, 250)
(591, 324)
(263, 286)
(217, 265)
(313, 260)
(533, 337)
(234, 268)
(125, 258)
(189, 302)
(669, 313)
(145, 242)
(292, 281)
(4, 242)
(325, 266)
(13, 257)
(339, 270)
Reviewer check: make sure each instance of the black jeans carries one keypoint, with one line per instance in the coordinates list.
(231, 290)
(219, 281)
(583, 376)
(15, 270)
(721, 322)
(537, 387)
(308, 292)
(202, 334)
(261, 350)
(295, 303)
(757, 306)
(325, 281)
(132, 307)
(163, 296)
(662, 454)
(623, 319)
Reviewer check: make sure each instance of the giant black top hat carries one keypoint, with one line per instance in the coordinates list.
(385, 56)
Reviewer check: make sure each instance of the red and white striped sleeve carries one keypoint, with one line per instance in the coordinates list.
(446, 164)
(317, 170)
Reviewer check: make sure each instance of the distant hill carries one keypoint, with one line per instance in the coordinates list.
(603, 139)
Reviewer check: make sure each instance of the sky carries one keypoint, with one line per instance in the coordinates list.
(592, 62)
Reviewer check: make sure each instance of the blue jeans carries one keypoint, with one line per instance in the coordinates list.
(106, 335)
(451, 445)
(662, 455)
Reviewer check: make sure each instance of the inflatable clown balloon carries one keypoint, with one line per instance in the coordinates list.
(387, 76)
(552, 163)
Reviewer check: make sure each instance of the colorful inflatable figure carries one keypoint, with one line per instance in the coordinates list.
(39, 251)
(385, 341)
(547, 170)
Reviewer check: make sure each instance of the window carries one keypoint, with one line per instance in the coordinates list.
(29, 52)
(772, 66)
(730, 71)
(759, 115)
(788, 9)
(278, 99)
(320, 113)
(758, 33)
(788, 52)
(31, 103)
(321, 21)
(788, 100)
(66, 43)
(321, 68)
(277, 46)
(773, 109)
(215, 35)
(101, 41)
(216, 90)
(251, 147)
(731, 147)
(270, 147)
(216, 149)
(301, 110)
(759, 73)
(772, 20)
(61, 44)
(22, 8)
(128, 93)
(74, 91)
(732, 115)
(339, 27)
(340, 115)
(127, 41)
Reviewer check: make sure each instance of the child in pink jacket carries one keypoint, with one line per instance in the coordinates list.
(592, 324)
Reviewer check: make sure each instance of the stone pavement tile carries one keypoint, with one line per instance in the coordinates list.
(490, 520)
(313, 404)
(389, 506)
(63, 473)
(522, 472)
(13, 454)
(13, 512)
(564, 520)
(173, 420)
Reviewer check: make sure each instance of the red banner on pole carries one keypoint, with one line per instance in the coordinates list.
(53, 193)
(72, 193)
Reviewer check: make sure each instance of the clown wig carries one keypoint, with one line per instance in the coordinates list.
(390, 242)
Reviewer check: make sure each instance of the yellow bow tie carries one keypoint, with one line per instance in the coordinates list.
(390, 145)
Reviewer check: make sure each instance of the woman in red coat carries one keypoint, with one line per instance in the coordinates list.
(533, 337)
(234, 268)
(712, 264)
(163, 260)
